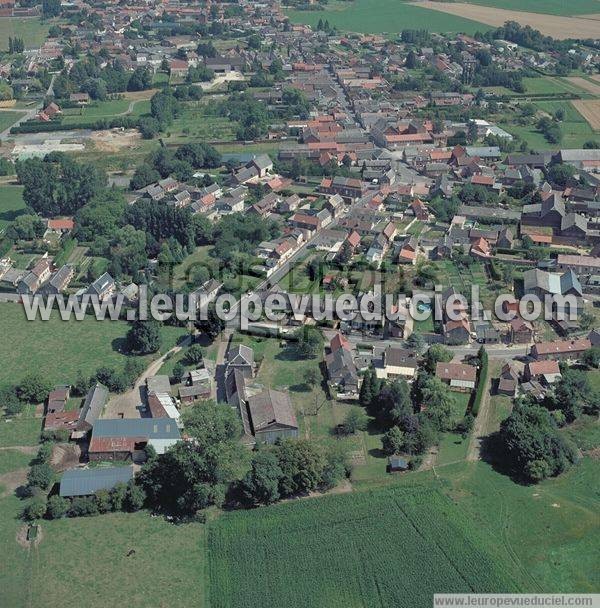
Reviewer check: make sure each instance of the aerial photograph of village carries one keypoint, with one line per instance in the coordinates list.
(299, 303)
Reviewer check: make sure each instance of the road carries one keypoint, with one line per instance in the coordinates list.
(29, 114)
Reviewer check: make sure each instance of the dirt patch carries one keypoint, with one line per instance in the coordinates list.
(558, 27)
(22, 537)
(590, 110)
(115, 140)
(584, 84)
(65, 456)
(139, 95)
(9, 482)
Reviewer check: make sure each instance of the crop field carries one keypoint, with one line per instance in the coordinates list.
(587, 85)
(362, 549)
(557, 26)
(546, 7)
(590, 110)
(385, 16)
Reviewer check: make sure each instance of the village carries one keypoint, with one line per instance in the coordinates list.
(214, 150)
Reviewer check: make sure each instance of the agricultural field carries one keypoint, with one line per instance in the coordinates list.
(195, 124)
(344, 551)
(11, 205)
(385, 16)
(590, 110)
(557, 26)
(546, 7)
(82, 345)
(33, 31)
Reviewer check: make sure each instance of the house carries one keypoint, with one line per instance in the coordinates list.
(545, 371)
(262, 163)
(198, 386)
(457, 332)
(60, 280)
(458, 376)
(126, 438)
(103, 287)
(35, 278)
(397, 363)
(85, 482)
(271, 416)
(95, 400)
(481, 249)
(241, 357)
(342, 375)
(81, 99)
(508, 380)
(560, 349)
(521, 331)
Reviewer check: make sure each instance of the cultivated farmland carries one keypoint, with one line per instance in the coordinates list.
(551, 25)
(590, 87)
(590, 110)
(392, 547)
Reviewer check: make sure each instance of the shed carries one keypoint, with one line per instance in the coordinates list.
(83, 482)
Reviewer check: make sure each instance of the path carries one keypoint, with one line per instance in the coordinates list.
(127, 405)
(218, 386)
(481, 424)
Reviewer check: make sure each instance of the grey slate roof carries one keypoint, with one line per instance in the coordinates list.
(153, 428)
(92, 408)
(82, 482)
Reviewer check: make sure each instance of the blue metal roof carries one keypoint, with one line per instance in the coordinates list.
(82, 482)
(153, 428)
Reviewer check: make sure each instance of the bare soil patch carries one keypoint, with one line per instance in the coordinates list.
(65, 456)
(558, 27)
(115, 140)
(590, 110)
(584, 84)
(137, 95)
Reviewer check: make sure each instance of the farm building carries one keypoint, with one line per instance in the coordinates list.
(84, 482)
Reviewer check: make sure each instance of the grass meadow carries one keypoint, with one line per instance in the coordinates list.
(33, 31)
(11, 205)
(59, 349)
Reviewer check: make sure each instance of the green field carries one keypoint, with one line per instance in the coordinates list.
(547, 7)
(105, 110)
(7, 119)
(364, 549)
(85, 562)
(575, 129)
(32, 30)
(58, 349)
(385, 16)
(11, 205)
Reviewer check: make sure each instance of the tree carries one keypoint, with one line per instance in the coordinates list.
(210, 424)
(416, 342)
(355, 420)
(436, 354)
(302, 464)
(40, 476)
(561, 175)
(10, 401)
(311, 377)
(392, 441)
(572, 394)
(367, 388)
(134, 497)
(57, 507)
(144, 337)
(309, 341)
(344, 255)
(58, 185)
(591, 357)
(178, 371)
(51, 8)
(533, 445)
(261, 483)
(586, 319)
(213, 325)
(35, 508)
(392, 402)
(83, 506)
(143, 176)
(194, 355)
(34, 388)
(437, 398)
